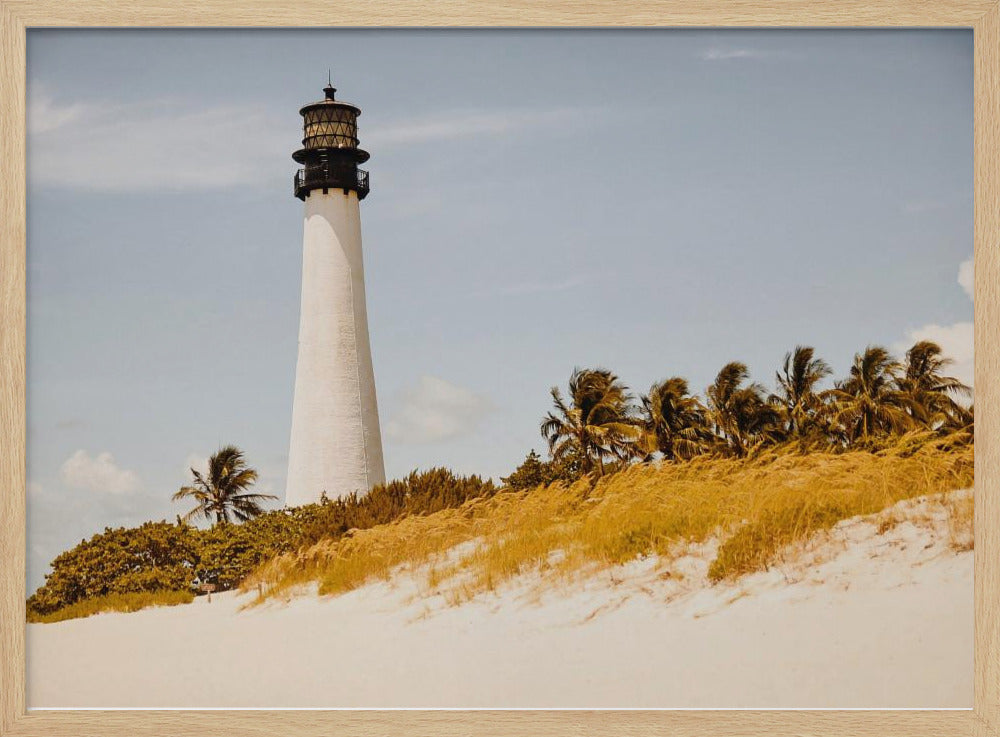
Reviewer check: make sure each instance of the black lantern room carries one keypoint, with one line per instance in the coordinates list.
(330, 153)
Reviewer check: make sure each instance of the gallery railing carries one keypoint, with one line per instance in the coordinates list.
(330, 177)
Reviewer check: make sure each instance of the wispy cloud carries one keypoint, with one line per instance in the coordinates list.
(152, 146)
(45, 115)
(99, 473)
(436, 410)
(720, 53)
(456, 124)
(533, 287)
(71, 423)
(172, 145)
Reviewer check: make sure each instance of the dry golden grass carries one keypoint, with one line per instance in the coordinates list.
(960, 531)
(754, 506)
(132, 602)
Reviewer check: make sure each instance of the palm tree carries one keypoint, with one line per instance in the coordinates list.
(743, 419)
(868, 403)
(222, 493)
(797, 381)
(597, 422)
(674, 420)
(930, 394)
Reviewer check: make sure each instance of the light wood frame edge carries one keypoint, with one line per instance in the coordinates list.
(18, 15)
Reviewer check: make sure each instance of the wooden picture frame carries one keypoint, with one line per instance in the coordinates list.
(16, 16)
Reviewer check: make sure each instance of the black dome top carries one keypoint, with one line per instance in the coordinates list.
(330, 99)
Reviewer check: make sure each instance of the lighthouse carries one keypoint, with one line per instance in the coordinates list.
(336, 444)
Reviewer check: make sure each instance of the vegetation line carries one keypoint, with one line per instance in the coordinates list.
(129, 602)
(651, 471)
(754, 507)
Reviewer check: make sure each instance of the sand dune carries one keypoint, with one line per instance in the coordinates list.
(860, 617)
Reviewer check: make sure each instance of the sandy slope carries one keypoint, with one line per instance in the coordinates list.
(854, 619)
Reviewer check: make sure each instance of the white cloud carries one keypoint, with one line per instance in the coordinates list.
(153, 146)
(966, 277)
(436, 410)
(475, 123)
(956, 343)
(957, 340)
(99, 474)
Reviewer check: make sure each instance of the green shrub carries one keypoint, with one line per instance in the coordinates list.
(227, 553)
(534, 472)
(421, 492)
(156, 556)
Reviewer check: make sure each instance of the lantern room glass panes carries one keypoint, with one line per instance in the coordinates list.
(331, 126)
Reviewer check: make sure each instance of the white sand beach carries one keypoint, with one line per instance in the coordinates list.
(861, 617)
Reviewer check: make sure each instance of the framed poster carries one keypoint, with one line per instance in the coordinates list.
(675, 326)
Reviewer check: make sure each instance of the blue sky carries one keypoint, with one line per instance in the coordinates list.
(656, 202)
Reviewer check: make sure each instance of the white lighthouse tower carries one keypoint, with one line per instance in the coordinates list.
(336, 445)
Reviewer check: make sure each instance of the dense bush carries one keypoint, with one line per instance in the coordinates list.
(156, 556)
(228, 552)
(160, 556)
(534, 472)
(422, 492)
